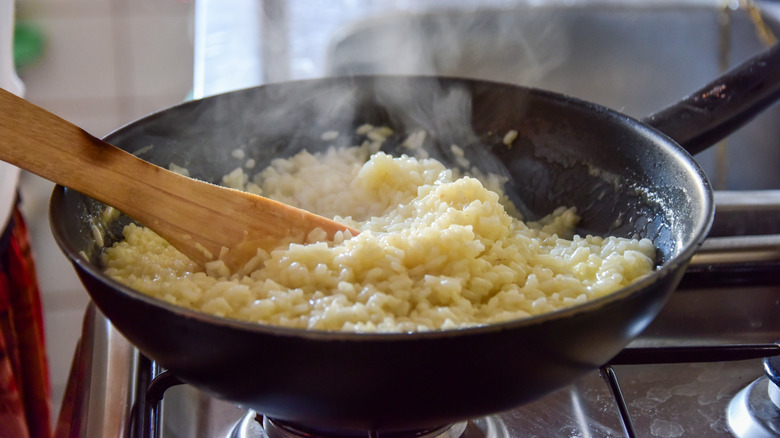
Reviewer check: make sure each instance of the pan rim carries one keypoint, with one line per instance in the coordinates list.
(702, 225)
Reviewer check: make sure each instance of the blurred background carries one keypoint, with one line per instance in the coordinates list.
(99, 64)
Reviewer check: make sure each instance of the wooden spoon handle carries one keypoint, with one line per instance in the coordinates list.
(196, 217)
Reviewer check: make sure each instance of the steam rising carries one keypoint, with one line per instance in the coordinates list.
(494, 44)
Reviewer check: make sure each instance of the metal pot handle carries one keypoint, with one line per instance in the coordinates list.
(724, 105)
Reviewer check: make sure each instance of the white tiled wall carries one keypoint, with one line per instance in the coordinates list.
(105, 63)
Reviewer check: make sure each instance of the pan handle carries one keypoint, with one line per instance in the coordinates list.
(724, 105)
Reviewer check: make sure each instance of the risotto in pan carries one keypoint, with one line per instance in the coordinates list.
(436, 250)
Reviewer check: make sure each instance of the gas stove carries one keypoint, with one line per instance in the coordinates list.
(706, 366)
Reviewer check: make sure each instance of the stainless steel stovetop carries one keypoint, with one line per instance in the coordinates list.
(700, 362)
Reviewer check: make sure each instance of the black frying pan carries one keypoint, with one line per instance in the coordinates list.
(625, 177)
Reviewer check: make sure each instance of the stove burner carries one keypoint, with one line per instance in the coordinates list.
(280, 429)
(254, 425)
(755, 411)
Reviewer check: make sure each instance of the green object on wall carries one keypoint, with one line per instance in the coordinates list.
(28, 45)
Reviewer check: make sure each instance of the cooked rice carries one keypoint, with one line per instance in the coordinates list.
(436, 251)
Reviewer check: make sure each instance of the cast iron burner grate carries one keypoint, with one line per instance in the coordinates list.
(153, 382)
(728, 258)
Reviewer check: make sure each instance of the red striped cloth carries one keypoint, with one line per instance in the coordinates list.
(24, 375)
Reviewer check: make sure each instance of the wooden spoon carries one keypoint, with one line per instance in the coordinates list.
(204, 221)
